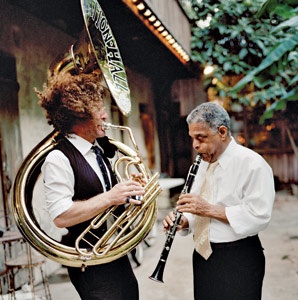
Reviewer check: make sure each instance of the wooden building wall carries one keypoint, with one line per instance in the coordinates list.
(171, 14)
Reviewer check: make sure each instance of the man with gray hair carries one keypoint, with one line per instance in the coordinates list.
(230, 202)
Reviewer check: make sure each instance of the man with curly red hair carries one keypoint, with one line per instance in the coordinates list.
(76, 189)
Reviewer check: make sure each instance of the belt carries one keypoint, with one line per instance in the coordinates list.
(245, 241)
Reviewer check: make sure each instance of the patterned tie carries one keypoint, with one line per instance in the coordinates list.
(201, 232)
(102, 167)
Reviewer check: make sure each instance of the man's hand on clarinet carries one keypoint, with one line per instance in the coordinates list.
(169, 221)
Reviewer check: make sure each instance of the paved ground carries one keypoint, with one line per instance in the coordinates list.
(280, 241)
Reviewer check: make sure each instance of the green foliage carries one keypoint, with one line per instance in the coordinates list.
(254, 39)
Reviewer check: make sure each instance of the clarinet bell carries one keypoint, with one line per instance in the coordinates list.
(157, 275)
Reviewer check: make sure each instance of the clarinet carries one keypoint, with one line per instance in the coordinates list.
(157, 275)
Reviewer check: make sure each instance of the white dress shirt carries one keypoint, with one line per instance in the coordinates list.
(58, 176)
(244, 185)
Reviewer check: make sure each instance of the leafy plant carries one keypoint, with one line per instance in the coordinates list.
(252, 41)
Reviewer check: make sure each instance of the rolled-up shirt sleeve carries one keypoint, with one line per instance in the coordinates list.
(58, 182)
(253, 212)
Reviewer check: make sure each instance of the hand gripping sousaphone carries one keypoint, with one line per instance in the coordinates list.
(96, 49)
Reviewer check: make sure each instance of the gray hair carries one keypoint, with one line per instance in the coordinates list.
(212, 114)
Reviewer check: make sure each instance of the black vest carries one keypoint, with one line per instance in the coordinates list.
(87, 185)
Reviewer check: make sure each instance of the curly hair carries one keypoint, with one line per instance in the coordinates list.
(71, 99)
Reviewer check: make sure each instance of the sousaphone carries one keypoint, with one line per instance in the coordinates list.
(96, 49)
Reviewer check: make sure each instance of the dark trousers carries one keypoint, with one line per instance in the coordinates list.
(110, 281)
(234, 271)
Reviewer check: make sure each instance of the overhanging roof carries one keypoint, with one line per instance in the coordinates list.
(140, 49)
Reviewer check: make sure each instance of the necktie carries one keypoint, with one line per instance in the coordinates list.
(102, 167)
(201, 232)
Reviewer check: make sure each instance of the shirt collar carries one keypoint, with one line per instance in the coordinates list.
(224, 158)
(81, 144)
